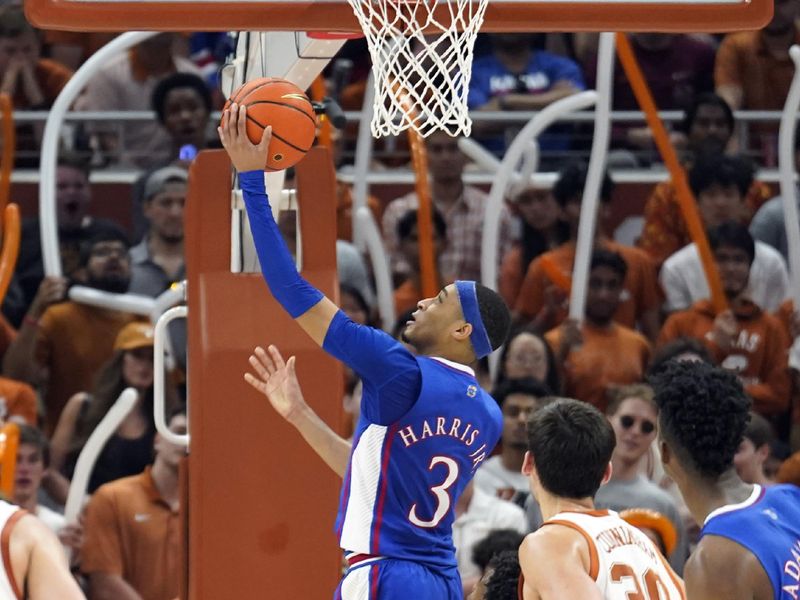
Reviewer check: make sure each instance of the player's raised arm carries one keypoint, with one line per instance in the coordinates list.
(306, 304)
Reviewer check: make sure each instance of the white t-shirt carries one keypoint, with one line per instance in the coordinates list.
(485, 513)
(684, 281)
(494, 479)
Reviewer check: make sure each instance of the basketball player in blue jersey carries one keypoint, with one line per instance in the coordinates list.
(750, 539)
(425, 426)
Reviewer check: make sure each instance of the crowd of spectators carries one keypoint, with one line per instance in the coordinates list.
(64, 363)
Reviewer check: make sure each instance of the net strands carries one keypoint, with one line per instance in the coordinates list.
(421, 57)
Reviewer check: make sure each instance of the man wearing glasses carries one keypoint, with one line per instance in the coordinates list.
(62, 344)
(633, 415)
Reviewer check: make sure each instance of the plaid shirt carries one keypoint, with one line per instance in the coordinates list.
(462, 258)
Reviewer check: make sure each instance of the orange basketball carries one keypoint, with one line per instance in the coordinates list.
(280, 103)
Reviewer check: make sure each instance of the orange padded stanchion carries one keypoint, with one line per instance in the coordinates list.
(261, 504)
(9, 148)
(9, 442)
(429, 279)
(686, 199)
(10, 252)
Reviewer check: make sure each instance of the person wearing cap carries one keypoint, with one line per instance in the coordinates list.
(633, 415)
(129, 450)
(655, 526)
(158, 260)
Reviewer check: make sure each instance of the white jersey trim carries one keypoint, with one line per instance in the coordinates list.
(454, 365)
(365, 471)
(752, 499)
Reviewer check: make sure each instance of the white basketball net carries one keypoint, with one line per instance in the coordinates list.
(421, 80)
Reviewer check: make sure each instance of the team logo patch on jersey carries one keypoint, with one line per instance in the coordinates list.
(472, 391)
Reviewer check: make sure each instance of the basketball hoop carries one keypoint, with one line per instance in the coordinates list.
(422, 61)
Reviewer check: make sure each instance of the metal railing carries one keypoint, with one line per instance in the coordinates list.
(114, 122)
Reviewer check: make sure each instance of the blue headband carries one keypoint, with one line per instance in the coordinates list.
(469, 307)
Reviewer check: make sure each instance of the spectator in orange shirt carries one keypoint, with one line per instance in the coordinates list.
(743, 339)
(409, 292)
(542, 302)
(708, 127)
(32, 82)
(62, 344)
(600, 353)
(17, 401)
(542, 230)
(753, 71)
(132, 529)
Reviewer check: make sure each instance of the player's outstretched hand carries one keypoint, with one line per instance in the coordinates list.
(277, 380)
(245, 155)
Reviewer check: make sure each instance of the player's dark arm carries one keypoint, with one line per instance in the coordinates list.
(720, 569)
(371, 353)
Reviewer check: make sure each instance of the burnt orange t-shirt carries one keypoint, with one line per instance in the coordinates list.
(785, 314)
(74, 341)
(665, 232)
(744, 61)
(758, 355)
(17, 399)
(614, 355)
(640, 293)
(133, 533)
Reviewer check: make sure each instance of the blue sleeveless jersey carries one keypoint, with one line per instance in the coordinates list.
(404, 478)
(768, 525)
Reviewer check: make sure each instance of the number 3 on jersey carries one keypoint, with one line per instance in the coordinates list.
(439, 491)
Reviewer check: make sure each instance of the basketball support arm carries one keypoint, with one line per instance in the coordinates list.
(594, 176)
(293, 56)
(786, 168)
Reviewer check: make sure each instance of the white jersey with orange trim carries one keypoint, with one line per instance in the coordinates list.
(9, 515)
(623, 561)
